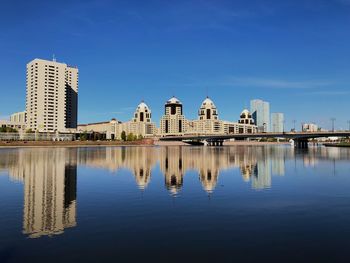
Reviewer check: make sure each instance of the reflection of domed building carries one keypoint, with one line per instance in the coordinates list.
(142, 177)
(141, 160)
(173, 167)
(209, 179)
(173, 121)
(173, 182)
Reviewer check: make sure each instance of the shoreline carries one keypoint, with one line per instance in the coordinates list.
(146, 142)
(25, 144)
(342, 145)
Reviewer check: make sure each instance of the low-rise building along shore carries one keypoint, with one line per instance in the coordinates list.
(17, 121)
(19, 126)
(140, 125)
(106, 127)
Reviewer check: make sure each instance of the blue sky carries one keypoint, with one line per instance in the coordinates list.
(294, 54)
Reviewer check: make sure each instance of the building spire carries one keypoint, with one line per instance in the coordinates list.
(53, 58)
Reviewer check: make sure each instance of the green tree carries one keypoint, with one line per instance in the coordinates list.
(123, 136)
(83, 136)
(140, 137)
(130, 137)
(7, 129)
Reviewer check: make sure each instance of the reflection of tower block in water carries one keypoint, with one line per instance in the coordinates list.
(262, 175)
(209, 179)
(50, 184)
(247, 171)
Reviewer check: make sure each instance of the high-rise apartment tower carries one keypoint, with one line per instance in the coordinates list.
(261, 114)
(277, 122)
(52, 96)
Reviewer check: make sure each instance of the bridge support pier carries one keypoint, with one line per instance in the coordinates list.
(216, 143)
(301, 144)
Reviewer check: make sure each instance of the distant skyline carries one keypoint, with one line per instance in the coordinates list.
(293, 54)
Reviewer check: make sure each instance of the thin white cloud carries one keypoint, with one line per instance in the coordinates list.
(277, 83)
(268, 83)
(329, 93)
(127, 108)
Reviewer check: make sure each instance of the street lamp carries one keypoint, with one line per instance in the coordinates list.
(333, 120)
(294, 122)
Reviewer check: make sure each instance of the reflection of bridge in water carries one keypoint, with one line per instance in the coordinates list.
(50, 175)
(300, 138)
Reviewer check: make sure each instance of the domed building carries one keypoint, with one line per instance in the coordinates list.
(173, 121)
(208, 110)
(140, 125)
(208, 120)
(142, 113)
(245, 124)
(246, 117)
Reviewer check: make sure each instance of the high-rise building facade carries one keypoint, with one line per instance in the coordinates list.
(277, 122)
(261, 114)
(52, 96)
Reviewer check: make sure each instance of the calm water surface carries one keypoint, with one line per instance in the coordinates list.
(175, 204)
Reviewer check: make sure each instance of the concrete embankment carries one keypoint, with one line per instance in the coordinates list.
(337, 144)
(145, 142)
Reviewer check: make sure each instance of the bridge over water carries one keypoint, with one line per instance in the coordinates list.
(300, 138)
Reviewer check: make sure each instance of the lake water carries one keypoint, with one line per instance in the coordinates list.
(175, 204)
